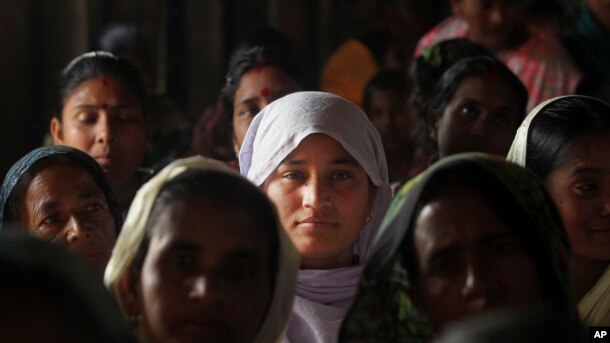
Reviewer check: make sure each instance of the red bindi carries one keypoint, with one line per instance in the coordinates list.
(265, 92)
(104, 81)
(105, 106)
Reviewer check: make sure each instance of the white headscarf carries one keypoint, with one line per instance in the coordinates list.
(323, 296)
(134, 232)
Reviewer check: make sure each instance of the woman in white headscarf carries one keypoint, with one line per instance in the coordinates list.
(202, 257)
(565, 141)
(321, 161)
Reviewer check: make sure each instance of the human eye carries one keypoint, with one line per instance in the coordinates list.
(249, 111)
(293, 175)
(586, 188)
(505, 246)
(502, 119)
(182, 261)
(468, 111)
(341, 176)
(444, 265)
(238, 271)
(50, 220)
(86, 118)
(95, 207)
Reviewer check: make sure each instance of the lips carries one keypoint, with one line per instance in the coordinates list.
(314, 222)
(106, 161)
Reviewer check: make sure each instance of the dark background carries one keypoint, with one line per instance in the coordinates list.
(192, 38)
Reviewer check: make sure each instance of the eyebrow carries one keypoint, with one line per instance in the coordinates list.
(338, 161)
(451, 250)
(588, 170)
(115, 107)
(45, 206)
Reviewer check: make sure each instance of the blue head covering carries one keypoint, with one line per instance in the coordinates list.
(67, 154)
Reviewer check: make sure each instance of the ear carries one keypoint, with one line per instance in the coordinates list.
(456, 7)
(128, 293)
(57, 131)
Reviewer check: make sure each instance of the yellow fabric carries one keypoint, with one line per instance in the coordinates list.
(348, 70)
(134, 231)
(594, 308)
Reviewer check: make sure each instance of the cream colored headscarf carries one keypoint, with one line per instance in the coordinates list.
(134, 231)
(518, 150)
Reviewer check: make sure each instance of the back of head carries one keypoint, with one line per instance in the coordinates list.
(392, 80)
(429, 67)
(48, 294)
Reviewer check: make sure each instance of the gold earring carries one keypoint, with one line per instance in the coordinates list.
(369, 218)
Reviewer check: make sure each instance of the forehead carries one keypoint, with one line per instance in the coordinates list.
(457, 217)
(489, 87)
(100, 86)
(319, 147)
(217, 227)
(588, 150)
(265, 76)
(60, 182)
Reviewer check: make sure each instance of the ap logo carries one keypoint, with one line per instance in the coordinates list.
(599, 334)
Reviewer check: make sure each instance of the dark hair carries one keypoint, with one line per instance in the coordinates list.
(507, 207)
(380, 42)
(125, 38)
(96, 64)
(429, 67)
(393, 80)
(227, 190)
(50, 277)
(469, 67)
(248, 57)
(558, 124)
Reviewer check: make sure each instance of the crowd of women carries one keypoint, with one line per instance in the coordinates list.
(467, 200)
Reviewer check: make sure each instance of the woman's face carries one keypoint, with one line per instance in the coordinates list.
(468, 259)
(482, 116)
(257, 88)
(391, 117)
(64, 205)
(493, 23)
(580, 188)
(323, 197)
(104, 119)
(206, 275)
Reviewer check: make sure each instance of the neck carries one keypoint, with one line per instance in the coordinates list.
(125, 192)
(586, 273)
(344, 260)
(399, 165)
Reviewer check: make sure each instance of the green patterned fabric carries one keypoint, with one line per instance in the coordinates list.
(382, 310)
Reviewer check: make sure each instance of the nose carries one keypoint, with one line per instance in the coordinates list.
(206, 287)
(105, 129)
(496, 15)
(317, 194)
(77, 230)
(481, 128)
(478, 285)
(198, 288)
